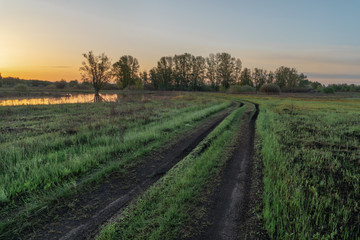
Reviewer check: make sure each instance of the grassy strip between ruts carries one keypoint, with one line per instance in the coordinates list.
(137, 142)
(169, 204)
(310, 151)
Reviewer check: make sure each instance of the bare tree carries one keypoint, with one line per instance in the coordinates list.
(97, 71)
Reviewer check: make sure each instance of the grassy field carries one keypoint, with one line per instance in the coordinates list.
(47, 151)
(311, 152)
(309, 145)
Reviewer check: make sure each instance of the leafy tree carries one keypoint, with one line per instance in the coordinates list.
(182, 71)
(211, 66)
(316, 85)
(225, 69)
(96, 70)
(259, 77)
(198, 72)
(1, 82)
(125, 71)
(61, 84)
(286, 77)
(144, 77)
(303, 81)
(237, 71)
(270, 77)
(163, 73)
(245, 77)
(74, 84)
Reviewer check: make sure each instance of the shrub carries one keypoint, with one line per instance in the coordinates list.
(270, 88)
(60, 84)
(328, 90)
(21, 87)
(51, 86)
(241, 89)
(222, 89)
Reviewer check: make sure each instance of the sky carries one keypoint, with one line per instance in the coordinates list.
(45, 39)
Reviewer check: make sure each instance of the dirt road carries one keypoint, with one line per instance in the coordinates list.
(81, 218)
(230, 202)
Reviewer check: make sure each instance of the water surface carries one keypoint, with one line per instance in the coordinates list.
(69, 98)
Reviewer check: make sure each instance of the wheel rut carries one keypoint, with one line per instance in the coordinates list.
(230, 201)
(91, 209)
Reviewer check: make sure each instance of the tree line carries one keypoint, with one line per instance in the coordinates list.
(188, 72)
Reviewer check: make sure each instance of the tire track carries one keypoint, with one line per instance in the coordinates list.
(94, 208)
(231, 199)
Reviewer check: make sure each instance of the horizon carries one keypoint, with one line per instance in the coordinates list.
(45, 40)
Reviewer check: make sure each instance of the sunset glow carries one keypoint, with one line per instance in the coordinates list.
(45, 39)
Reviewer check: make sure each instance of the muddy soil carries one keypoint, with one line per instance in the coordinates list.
(81, 217)
(228, 207)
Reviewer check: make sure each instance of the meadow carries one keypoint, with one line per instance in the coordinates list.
(311, 153)
(308, 145)
(47, 151)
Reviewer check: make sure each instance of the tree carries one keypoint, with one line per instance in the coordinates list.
(97, 71)
(125, 71)
(286, 77)
(182, 70)
(259, 77)
(225, 69)
(61, 84)
(211, 70)
(245, 77)
(1, 80)
(270, 77)
(198, 72)
(237, 71)
(144, 77)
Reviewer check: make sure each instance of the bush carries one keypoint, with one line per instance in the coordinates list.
(61, 84)
(51, 86)
(270, 88)
(222, 89)
(328, 90)
(241, 89)
(21, 87)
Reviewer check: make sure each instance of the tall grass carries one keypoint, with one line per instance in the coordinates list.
(311, 155)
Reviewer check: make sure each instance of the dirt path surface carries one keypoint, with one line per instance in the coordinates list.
(81, 218)
(227, 211)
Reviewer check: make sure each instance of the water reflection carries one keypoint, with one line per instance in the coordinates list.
(69, 98)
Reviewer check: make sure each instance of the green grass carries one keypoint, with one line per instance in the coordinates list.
(311, 151)
(45, 159)
(169, 205)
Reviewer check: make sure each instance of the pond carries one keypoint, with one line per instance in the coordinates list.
(69, 98)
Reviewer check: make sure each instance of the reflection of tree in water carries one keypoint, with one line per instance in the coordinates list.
(98, 98)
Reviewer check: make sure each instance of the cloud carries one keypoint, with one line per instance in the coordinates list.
(334, 76)
(59, 66)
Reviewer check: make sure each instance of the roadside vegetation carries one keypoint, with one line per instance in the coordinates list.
(311, 154)
(49, 151)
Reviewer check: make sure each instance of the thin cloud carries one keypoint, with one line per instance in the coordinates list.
(334, 76)
(59, 66)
